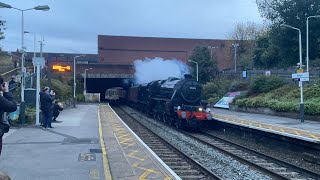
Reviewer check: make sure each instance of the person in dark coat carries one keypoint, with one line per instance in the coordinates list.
(46, 101)
(7, 104)
(57, 107)
(12, 84)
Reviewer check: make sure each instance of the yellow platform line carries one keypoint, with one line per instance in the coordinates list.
(106, 168)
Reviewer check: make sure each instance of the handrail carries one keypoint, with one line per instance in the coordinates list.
(10, 71)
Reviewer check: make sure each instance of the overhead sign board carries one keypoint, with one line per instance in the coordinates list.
(38, 61)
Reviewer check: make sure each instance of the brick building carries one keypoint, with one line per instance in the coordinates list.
(124, 49)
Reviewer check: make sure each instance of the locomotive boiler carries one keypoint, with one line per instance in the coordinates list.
(174, 101)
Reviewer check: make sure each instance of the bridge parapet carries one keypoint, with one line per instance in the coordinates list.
(111, 76)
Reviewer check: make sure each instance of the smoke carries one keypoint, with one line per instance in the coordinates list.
(158, 69)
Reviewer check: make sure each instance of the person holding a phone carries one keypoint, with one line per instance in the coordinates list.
(47, 97)
(7, 104)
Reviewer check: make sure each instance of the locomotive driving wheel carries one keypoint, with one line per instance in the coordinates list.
(165, 118)
(179, 124)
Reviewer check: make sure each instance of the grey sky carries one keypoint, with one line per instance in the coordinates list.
(73, 25)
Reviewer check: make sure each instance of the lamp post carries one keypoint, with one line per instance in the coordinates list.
(74, 79)
(197, 69)
(300, 64)
(235, 45)
(42, 8)
(307, 58)
(34, 49)
(212, 47)
(85, 80)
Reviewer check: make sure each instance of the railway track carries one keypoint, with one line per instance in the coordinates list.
(269, 165)
(181, 164)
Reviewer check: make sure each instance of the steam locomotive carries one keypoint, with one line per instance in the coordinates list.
(174, 101)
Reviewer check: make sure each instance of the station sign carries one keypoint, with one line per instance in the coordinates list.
(38, 61)
(24, 69)
(301, 76)
(61, 68)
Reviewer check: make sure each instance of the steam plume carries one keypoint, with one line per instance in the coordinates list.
(158, 69)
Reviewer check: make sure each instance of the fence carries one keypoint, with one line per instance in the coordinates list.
(286, 75)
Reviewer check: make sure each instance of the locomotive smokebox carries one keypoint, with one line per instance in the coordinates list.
(187, 76)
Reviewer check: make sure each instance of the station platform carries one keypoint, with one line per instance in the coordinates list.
(307, 131)
(127, 157)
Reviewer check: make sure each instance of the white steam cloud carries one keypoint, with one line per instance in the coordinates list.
(158, 69)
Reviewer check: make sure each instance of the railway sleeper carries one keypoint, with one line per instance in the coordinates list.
(183, 163)
(237, 152)
(265, 164)
(165, 152)
(188, 172)
(181, 167)
(154, 145)
(290, 174)
(278, 169)
(169, 159)
(257, 160)
(192, 177)
(156, 150)
(169, 155)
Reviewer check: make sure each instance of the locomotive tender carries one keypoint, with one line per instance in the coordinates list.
(174, 101)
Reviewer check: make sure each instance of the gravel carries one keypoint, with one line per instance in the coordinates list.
(287, 152)
(224, 166)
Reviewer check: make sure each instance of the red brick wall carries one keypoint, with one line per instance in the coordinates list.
(124, 49)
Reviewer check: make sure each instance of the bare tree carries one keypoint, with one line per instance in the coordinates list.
(245, 34)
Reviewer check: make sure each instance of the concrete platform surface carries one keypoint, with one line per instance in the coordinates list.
(307, 130)
(128, 157)
(71, 150)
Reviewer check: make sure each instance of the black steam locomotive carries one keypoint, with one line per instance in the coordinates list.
(174, 101)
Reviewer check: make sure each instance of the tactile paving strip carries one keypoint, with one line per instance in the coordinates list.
(293, 131)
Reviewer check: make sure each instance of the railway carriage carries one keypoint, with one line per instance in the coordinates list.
(115, 95)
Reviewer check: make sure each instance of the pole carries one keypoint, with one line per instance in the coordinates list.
(85, 81)
(37, 95)
(197, 71)
(22, 104)
(74, 82)
(235, 45)
(34, 50)
(301, 83)
(235, 59)
(307, 58)
(41, 44)
(300, 64)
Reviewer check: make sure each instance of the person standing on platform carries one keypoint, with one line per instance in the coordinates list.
(12, 84)
(57, 107)
(7, 104)
(47, 97)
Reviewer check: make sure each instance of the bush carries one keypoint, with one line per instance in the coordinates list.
(263, 84)
(215, 89)
(239, 86)
(63, 91)
(80, 97)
